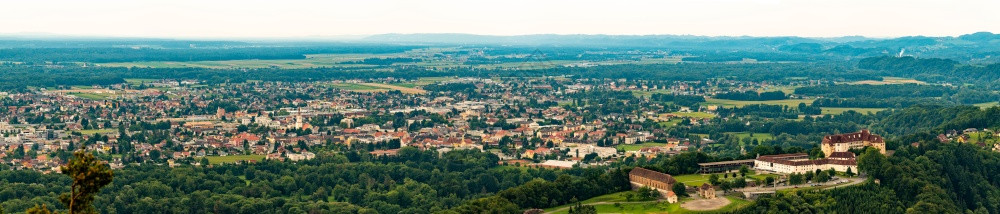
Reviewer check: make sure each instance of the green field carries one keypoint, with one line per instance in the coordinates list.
(613, 197)
(699, 115)
(92, 96)
(637, 147)
(761, 137)
(740, 103)
(839, 110)
(699, 179)
(233, 158)
(93, 131)
(984, 137)
(356, 87)
(606, 204)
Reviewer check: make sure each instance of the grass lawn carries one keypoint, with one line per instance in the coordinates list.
(839, 110)
(651, 206)
(613, 197)
(700, 115)
(671, 122)
(699, 179)
(740, 103)
(637, 147)
(987, 138)
(761, 137)
(233, 158)
(93, 131)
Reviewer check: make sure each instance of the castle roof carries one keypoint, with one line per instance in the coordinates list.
(862, 135)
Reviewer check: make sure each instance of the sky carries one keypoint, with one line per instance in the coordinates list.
(317, 18)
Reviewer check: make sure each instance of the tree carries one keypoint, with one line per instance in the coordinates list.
(822, 176)
(204, 161)
(850, 173)
(872, 162)
(89, 176)
(744, 170)
(769, 180)
(37, 209)
(795, 179)
(714, 179)
(582, 209)
(680, 189)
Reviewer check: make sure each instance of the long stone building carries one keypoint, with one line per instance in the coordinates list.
(644, 177)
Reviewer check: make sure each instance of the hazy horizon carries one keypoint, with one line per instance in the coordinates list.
(308, 18)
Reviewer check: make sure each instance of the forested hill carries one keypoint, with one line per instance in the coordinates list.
(933, 69)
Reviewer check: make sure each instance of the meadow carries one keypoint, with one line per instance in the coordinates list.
(233, 158)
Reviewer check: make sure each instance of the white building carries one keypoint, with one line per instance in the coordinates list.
(800, 163)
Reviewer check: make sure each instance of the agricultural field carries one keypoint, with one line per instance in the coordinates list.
(92, 96)
(233, 158)
(841, 110)
(407, 90)
(760, 137)
(357, 87)
(637, 147)
(698, 115)
(740, 103)
(888, 81)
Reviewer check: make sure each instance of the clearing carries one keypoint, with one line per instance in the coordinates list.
(233, 158)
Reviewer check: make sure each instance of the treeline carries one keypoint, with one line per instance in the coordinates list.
(935, 70)
(384, 61)
(21, 76)
(104, 55)
(770, 111)
(741, 55)
(876, 91)
(681, 100)
(413, 182)
(895, 102)
(752, 95)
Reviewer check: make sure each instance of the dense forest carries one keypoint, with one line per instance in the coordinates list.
(352, 182)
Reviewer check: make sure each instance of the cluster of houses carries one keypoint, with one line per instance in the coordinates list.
(281, 122)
